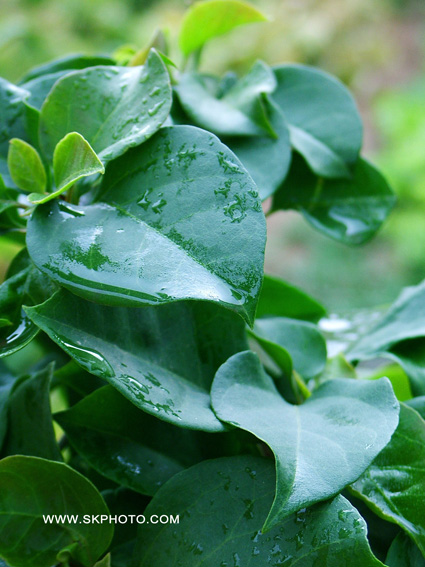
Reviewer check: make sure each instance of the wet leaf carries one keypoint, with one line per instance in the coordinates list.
(404, 553)
(163, 359)
(127, 445)
(223, 503)
(32, 487)
(394, 485)
(184, 206)
(114, 108)
(67, 63)
(348, 210)
(328, 440)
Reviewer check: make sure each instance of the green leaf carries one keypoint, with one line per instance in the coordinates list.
(33, 487)
(39, 88)
(207, 20)
(417, 404)
(399, 335)
(301, 339)
(325, 125)
(6, 383)
(114, 108)
(350, 211)
(163, 359)
(222, 504)
(128, 445)
(150, 228)
(73, 159)
(267, 159)
(240, 111)
(328, 441)
(105, 562)
(25, 166)
(281, 299)
(394, 485)
(404, 553)
(30, 429)
(12, 122)
(68, 63)
(30, 287)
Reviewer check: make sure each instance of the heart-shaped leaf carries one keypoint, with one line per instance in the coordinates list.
(30, 429)
(240, 111)
(33, 488)
(206, 20)
(394, 484)
(128, 445)
(324, 122)
(184, 207)
(114, 108)
(163, 359)
(348, 210)
(318, 446)
(73, 159)
(25, 166)
(223, 503)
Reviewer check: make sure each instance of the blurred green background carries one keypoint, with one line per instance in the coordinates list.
(375, 46)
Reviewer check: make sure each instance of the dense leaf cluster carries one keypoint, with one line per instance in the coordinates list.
(191, 384)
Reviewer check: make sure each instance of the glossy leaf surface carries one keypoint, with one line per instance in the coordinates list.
(162, 359)
(206, 20)
(394, 485)
(348, 210)
(25, 166)
(32, 487)
(128, 445)
(223, 504)
(240, 111)
(6, 382)
(319, 446)
(182, 222)
(30, 428)
(67, 63)
(114, 108)
(325, 125)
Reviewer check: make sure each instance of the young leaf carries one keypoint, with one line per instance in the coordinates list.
(30, 429)
(128, 445)
(114, 108)
(206, 20)
(324, 122)
(318, 446)
(241, 111)
(25, 166)
(281, 299)
(33, 487)
(301, 339)
(163, 359)
(394, 485)
(150, 228)
(223, 503)
(350, 211)
(73, 159)
(404, 553)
